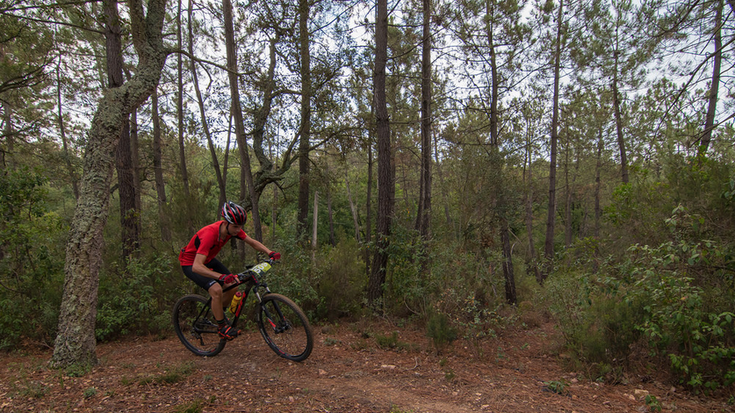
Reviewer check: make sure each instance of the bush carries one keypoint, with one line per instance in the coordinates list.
(597, 316)
(698, 342)
(678, 296)
(134, 299)
(31, 259)
(340, 281)
(439, 329)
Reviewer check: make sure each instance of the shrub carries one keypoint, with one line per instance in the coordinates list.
(439, 329)
(31, 259)
(340, 281)
(697, 338)
(596, 315)
(134, 299)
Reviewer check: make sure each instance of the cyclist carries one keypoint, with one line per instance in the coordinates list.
(199, 264)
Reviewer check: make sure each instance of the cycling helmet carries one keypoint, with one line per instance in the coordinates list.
(234, 214)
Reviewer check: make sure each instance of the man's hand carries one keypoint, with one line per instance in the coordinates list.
(274, 255)
(227, 278)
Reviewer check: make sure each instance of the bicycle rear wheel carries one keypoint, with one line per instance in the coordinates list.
(196, 327)
(285, 327)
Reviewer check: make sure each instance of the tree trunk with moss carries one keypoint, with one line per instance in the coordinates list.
(75, 343)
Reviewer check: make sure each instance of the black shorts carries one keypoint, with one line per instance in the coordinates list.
(202, 281)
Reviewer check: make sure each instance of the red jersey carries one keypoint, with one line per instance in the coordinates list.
(206, 242)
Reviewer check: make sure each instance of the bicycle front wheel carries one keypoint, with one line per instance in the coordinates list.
(196, 327)
(285, 327)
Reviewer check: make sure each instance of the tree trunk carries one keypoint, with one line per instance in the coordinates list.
(125, 177)
(353, 209)
(510, 283)
(242, 143)
(314, 226)
(135, 160)
(75, 342)
(180, 120)
(386, 173)
(266, 173)
(709, 122)
(496, 159)
(619, 125)
(447, 216)
(62, 132)
(423, 216)
(330, 215)
(202, 113)
(531, 262)
(598, 184)
(158, 170)
(568, 210)
(369, 207)
(305, 131)
(551, 217)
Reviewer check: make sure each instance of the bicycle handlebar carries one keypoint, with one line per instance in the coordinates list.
(244, 275)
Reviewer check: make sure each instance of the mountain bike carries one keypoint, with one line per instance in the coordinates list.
(281, 322)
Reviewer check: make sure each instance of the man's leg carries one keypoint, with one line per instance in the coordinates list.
(215, 291)
(225, 298)
(225, 331)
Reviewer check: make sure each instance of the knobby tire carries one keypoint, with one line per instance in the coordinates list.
(285, 328)
(196, 327)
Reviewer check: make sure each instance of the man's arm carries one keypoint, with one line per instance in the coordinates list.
(201, 269)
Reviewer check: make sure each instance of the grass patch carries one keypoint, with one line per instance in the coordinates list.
(89, 392)
(556, 386)
(172, 375)
(391, 342)
(196, 406)
(31, 389)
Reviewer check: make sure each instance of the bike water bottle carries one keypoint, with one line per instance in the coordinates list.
(235, 301)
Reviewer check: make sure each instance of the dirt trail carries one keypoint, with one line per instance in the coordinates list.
(347, 372)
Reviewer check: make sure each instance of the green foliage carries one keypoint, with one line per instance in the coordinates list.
(171, 375)
(597, 318)
(294, 276)
(31, 259)
(678, 296)
(391, 342)
(340, 281)
(89, 392)
(557, 386)
(698, 341)
(408, 289)
(653, 404)
(134, 299)
(455, 285)
(440, 331)
(196, 406)
(77, 370)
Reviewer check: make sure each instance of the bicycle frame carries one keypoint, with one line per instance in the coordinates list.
(247, 277)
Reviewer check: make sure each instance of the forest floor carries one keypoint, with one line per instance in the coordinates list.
(517, 371)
